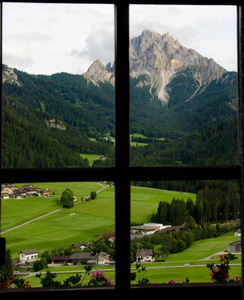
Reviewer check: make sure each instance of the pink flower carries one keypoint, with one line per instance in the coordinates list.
(172, 281)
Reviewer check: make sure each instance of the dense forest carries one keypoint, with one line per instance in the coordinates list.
(216, 201)
(27, 142)
(216, 145)
(49, 121)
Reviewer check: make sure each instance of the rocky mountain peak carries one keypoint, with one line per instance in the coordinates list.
(161, 57)
(8, 75)
(97, 72)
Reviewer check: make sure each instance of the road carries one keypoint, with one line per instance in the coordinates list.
(52, 212)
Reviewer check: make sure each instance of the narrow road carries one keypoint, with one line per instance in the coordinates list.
(50, 213)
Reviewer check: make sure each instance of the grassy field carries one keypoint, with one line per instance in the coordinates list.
(136, 143)
(79, 188)
(81, 223)
(90, 157)
(144, 201)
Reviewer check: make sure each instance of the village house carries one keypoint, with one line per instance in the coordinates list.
(172, 228)
(5, 193)
(110, 235)
(43, 193)
(87, 258)
(7, 190)
(235, 246)
(80, 257)
(147, 229)
(103, 258)
(28, 256)
(60, 259)
(237, 232)
(144, 256)
(81, 245)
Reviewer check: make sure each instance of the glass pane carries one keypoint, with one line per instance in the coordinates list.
(60, 228)
(58, 85)
(183, 84)
(179, 227)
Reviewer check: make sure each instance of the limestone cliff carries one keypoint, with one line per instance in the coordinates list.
(97, 72)
(9, 76)
(161, 57)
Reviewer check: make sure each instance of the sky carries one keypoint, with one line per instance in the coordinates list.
(52, 38)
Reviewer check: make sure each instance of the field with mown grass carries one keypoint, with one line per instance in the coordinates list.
(81, 223)
(144, 201)
(173, 268)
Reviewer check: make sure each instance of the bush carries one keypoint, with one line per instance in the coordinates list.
(39, 265)
(66, 199)
(93, 195)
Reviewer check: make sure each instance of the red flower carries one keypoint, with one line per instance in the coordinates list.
(238, 278)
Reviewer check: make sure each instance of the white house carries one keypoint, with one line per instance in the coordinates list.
(144, 256)
(28, 255)
(237, 232)
(148, 228)
(103, 258)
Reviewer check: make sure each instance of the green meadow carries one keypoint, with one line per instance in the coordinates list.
(90, 157)
(144, 201)
(81, 223)
(89, 218)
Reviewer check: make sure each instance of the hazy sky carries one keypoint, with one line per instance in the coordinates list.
(51, 38)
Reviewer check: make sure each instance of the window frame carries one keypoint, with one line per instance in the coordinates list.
(122, 173)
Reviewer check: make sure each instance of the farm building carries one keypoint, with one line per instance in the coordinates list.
(235, 246)
(237, 232)
(28, 255)
(148, 228)
(87, 257)
(60, 259)
(144, 256)
(80, 257)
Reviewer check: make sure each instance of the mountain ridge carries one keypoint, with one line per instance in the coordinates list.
(173, 109)
(161, 57)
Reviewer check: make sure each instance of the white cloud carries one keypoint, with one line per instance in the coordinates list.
(50, 38)
(59, 37)
(210, 30)
(17, 56)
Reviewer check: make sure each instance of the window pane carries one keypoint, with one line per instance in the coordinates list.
(184, 93)
(64, 225)
(181, 227)
(58, 85)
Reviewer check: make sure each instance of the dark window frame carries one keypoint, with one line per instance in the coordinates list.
(123, 174)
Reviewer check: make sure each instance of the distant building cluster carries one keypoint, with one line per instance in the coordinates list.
(11, 191)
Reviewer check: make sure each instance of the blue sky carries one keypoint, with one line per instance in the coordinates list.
(51, 38)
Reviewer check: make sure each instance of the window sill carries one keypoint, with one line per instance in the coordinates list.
(189, 290)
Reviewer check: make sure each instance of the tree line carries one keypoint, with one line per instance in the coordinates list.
(177, 241)
(212, 205)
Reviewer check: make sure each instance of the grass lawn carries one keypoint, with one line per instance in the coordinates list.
(90, 157)
(144, 201)
(18, 211)
(81, 223)
(35, 282)
(203, 248)
(195, 274)
(79, 188)
(89, 218)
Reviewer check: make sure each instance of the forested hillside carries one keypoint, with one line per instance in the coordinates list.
(28, 142)
(49, 121)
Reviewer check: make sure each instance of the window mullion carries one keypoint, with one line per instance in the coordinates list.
(122, 149)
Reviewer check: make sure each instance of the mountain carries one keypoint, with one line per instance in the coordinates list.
(161, 58)
(177, 97)
(99, 73)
